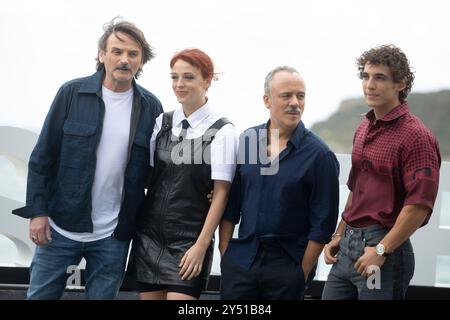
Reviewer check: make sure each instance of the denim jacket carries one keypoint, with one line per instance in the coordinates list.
(62, 165)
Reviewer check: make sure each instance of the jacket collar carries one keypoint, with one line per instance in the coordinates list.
(93, 84)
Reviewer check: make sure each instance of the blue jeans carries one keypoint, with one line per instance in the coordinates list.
(345, 283)
(105, 267)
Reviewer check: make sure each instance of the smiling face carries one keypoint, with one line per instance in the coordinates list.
(122, 59)
(286, 100)
(380, 90)
(189, 85)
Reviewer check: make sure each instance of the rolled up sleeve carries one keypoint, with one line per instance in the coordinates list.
(324, 199)
(233, 209)
(421, 172)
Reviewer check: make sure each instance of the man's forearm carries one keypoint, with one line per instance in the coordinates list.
(312, 253)
(226, 229)
(341, 227)
(408, 221)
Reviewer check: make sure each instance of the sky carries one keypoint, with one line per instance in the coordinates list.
(46, 43)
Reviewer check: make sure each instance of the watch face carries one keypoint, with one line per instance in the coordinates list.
(380, 249)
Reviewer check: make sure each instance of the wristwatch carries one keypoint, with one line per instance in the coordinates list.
(381, 250)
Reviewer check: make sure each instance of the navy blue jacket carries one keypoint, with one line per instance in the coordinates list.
(62, 165)
(298, 203)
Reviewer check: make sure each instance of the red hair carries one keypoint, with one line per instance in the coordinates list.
(198, 59)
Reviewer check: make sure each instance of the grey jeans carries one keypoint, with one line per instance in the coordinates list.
(392, 280)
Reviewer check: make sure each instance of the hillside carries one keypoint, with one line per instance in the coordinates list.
(433, 108)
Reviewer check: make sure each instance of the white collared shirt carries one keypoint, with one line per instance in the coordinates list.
(223, 147)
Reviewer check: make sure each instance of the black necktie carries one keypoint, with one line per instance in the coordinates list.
(183, 132)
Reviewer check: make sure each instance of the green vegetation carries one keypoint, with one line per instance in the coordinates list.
(433, 108)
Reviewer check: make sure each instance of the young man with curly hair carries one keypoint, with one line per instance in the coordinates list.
(393, 185)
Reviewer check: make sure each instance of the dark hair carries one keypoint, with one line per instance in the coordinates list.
(116, 25)
(198, 59)
(392, 57)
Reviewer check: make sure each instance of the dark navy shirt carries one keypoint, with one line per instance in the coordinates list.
(297, 204)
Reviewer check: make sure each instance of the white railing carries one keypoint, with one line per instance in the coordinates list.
(430, 243)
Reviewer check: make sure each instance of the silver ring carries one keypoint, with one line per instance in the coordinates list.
(33, 238)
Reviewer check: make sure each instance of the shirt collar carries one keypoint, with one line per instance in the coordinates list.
(297, 135)
(195, 118)
(395, 113)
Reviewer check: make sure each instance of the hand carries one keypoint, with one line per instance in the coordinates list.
(210, 196)
(40, 232)
(192, 262)
(370, 258)
(331, 249)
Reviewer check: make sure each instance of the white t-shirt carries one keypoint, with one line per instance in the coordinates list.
(112, 153)
(223, 147)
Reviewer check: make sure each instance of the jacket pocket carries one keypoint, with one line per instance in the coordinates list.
(78, 129)
(78, 144)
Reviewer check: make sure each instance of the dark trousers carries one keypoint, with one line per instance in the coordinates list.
(274, 275)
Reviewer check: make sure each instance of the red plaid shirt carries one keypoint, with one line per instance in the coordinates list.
(395, 162)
